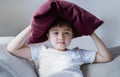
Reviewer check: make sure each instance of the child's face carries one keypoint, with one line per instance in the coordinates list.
(60, 37)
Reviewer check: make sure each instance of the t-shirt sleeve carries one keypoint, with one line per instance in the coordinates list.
(35, 50)
(88, 56)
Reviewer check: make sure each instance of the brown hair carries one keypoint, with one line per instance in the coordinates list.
(62, 23)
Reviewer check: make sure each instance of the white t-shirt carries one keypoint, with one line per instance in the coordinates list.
(53, 63)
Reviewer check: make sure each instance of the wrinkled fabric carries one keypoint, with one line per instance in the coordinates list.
(12, 66)
(83, 21)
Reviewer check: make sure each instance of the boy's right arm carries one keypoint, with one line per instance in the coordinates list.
(17, 45)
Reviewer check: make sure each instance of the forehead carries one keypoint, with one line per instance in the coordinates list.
(65, 28)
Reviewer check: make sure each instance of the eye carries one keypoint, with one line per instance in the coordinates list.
(66, 32)
(56, 33)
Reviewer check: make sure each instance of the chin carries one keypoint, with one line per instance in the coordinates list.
(61, 49)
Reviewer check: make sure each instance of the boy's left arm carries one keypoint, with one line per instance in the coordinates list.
(102, 54)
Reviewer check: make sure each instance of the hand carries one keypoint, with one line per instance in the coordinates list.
(93, 34)
(30, 28)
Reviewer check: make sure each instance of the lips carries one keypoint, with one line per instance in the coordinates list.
(61, 42)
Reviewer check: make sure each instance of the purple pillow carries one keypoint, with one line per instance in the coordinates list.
(84, 22)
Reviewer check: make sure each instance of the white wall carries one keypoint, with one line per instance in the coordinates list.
(15, 15)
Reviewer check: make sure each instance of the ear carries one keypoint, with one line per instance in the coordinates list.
(48, 36)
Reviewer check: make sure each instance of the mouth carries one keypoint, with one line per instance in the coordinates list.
(61, 42)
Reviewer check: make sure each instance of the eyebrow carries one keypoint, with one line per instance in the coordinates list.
(68, 29)
(65, 30)
(56, 29)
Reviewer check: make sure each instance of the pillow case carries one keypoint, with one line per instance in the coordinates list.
(83, 21)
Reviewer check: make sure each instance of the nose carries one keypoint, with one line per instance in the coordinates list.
(61, 36)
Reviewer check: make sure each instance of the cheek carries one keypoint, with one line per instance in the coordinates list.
(51, 38)
(69, 39)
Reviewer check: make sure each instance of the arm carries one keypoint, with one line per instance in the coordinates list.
(102, 55)
(17, 47)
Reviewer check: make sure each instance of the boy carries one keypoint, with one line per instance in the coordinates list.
(59, 61)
